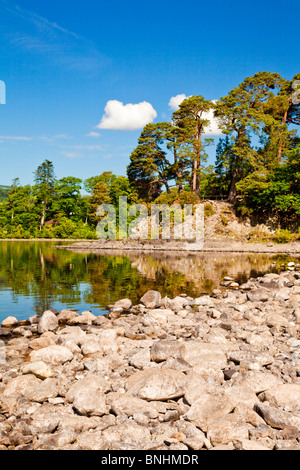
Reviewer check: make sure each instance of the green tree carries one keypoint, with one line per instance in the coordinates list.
(68, 198)
(44, 189)
(191, 120)
(149, 166)
(242, 112)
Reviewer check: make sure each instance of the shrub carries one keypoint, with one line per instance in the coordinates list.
(284, 236)
(208, 209)
(224, 220)
(186, 197)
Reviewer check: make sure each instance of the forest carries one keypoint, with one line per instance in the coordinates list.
(256, 168)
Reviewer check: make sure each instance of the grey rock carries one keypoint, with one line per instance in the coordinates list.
(159, 385)
(166, 349)
(48, 322)
(52, 355)
(152, 299)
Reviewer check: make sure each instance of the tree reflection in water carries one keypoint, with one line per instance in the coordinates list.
(47, 277)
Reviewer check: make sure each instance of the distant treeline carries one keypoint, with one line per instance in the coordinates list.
(257, 166)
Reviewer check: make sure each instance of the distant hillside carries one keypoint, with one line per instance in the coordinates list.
(4, 192)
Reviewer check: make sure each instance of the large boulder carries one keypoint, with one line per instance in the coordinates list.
(48, 322)
(54, 355)
(132, 405)
(42, 391)
(258, 295)
(124, 304)
(152, 299)
(286, 396)
(39, 369)
(165, 349)
(18, 385)
(9, 322)
(88, 396)
(157, 384)
(209, 407)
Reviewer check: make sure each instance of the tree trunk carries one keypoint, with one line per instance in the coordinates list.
(179, 179)
(232, 191)
(194, 177)
(166, 186)
(43, 217)
(197, 163)
(280, 138)
(236, 172)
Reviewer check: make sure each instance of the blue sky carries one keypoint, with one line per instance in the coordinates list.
(63, 62)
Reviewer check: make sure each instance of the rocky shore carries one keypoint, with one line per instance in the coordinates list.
(208, 373)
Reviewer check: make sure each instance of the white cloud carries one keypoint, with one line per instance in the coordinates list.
(127, 117)
(175, 101)
(93, 134)
(83, 147)
(214, 126)
(9, 137)
(72, 155)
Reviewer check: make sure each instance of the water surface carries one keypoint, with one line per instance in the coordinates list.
(35, 276)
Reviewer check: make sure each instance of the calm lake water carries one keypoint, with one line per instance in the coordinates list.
(35, 276)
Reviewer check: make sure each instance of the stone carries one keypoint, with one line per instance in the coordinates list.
(258, 381)
(241, 394)
(124, 304)
(72, 333)
(129, 433)
(204, 301)
(5, 332)
(176, 304)
(88, 383)
(53, 355)
(18, 385)
(90, 345)
(159, 385)
(55, 441)
(41, 342)
(258, 295)
(66, 315)
(141, 359)
(45, 420)
(196, 386)
(131, 405)
(90, 403)
(92, 441)
(277, 321)
(208, 408)
(48, 322)
(159, 316)
(283, 294)
(227, 429)
(247, 414)
(206, 359)
(152, 299)
(286, 396)
(108, 341)
(42, 391)
(277, 418)
(166, 349)
(40, 369)
(86, 318)
(9, 322)
(245, 444)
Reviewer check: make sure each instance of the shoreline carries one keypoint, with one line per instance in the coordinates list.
(212, 246)
(218, 372)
